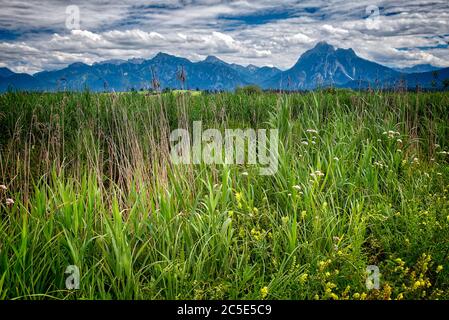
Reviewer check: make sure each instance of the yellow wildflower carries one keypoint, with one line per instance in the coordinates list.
(238, 196)
(333, 296)
(417, 284)
(303, 278)
(264, 292)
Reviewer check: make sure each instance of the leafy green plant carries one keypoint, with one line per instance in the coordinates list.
(87, 181)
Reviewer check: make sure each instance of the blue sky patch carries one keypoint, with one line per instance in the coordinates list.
(259, 18)
(8, 35)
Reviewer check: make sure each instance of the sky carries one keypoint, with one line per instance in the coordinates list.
(50, 34)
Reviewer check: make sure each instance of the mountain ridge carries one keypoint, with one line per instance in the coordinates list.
(322, 66)
(419, 68)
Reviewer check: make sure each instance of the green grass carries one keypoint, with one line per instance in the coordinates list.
(174, 91)
(93, 186)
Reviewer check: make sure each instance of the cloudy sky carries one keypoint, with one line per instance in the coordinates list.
(47, 34)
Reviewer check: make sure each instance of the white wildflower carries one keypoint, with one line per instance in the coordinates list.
(316, 174)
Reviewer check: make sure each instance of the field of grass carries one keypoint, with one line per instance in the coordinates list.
(362, 180)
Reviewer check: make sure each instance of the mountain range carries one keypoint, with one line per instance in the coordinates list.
(418, 68)
(321, 66)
